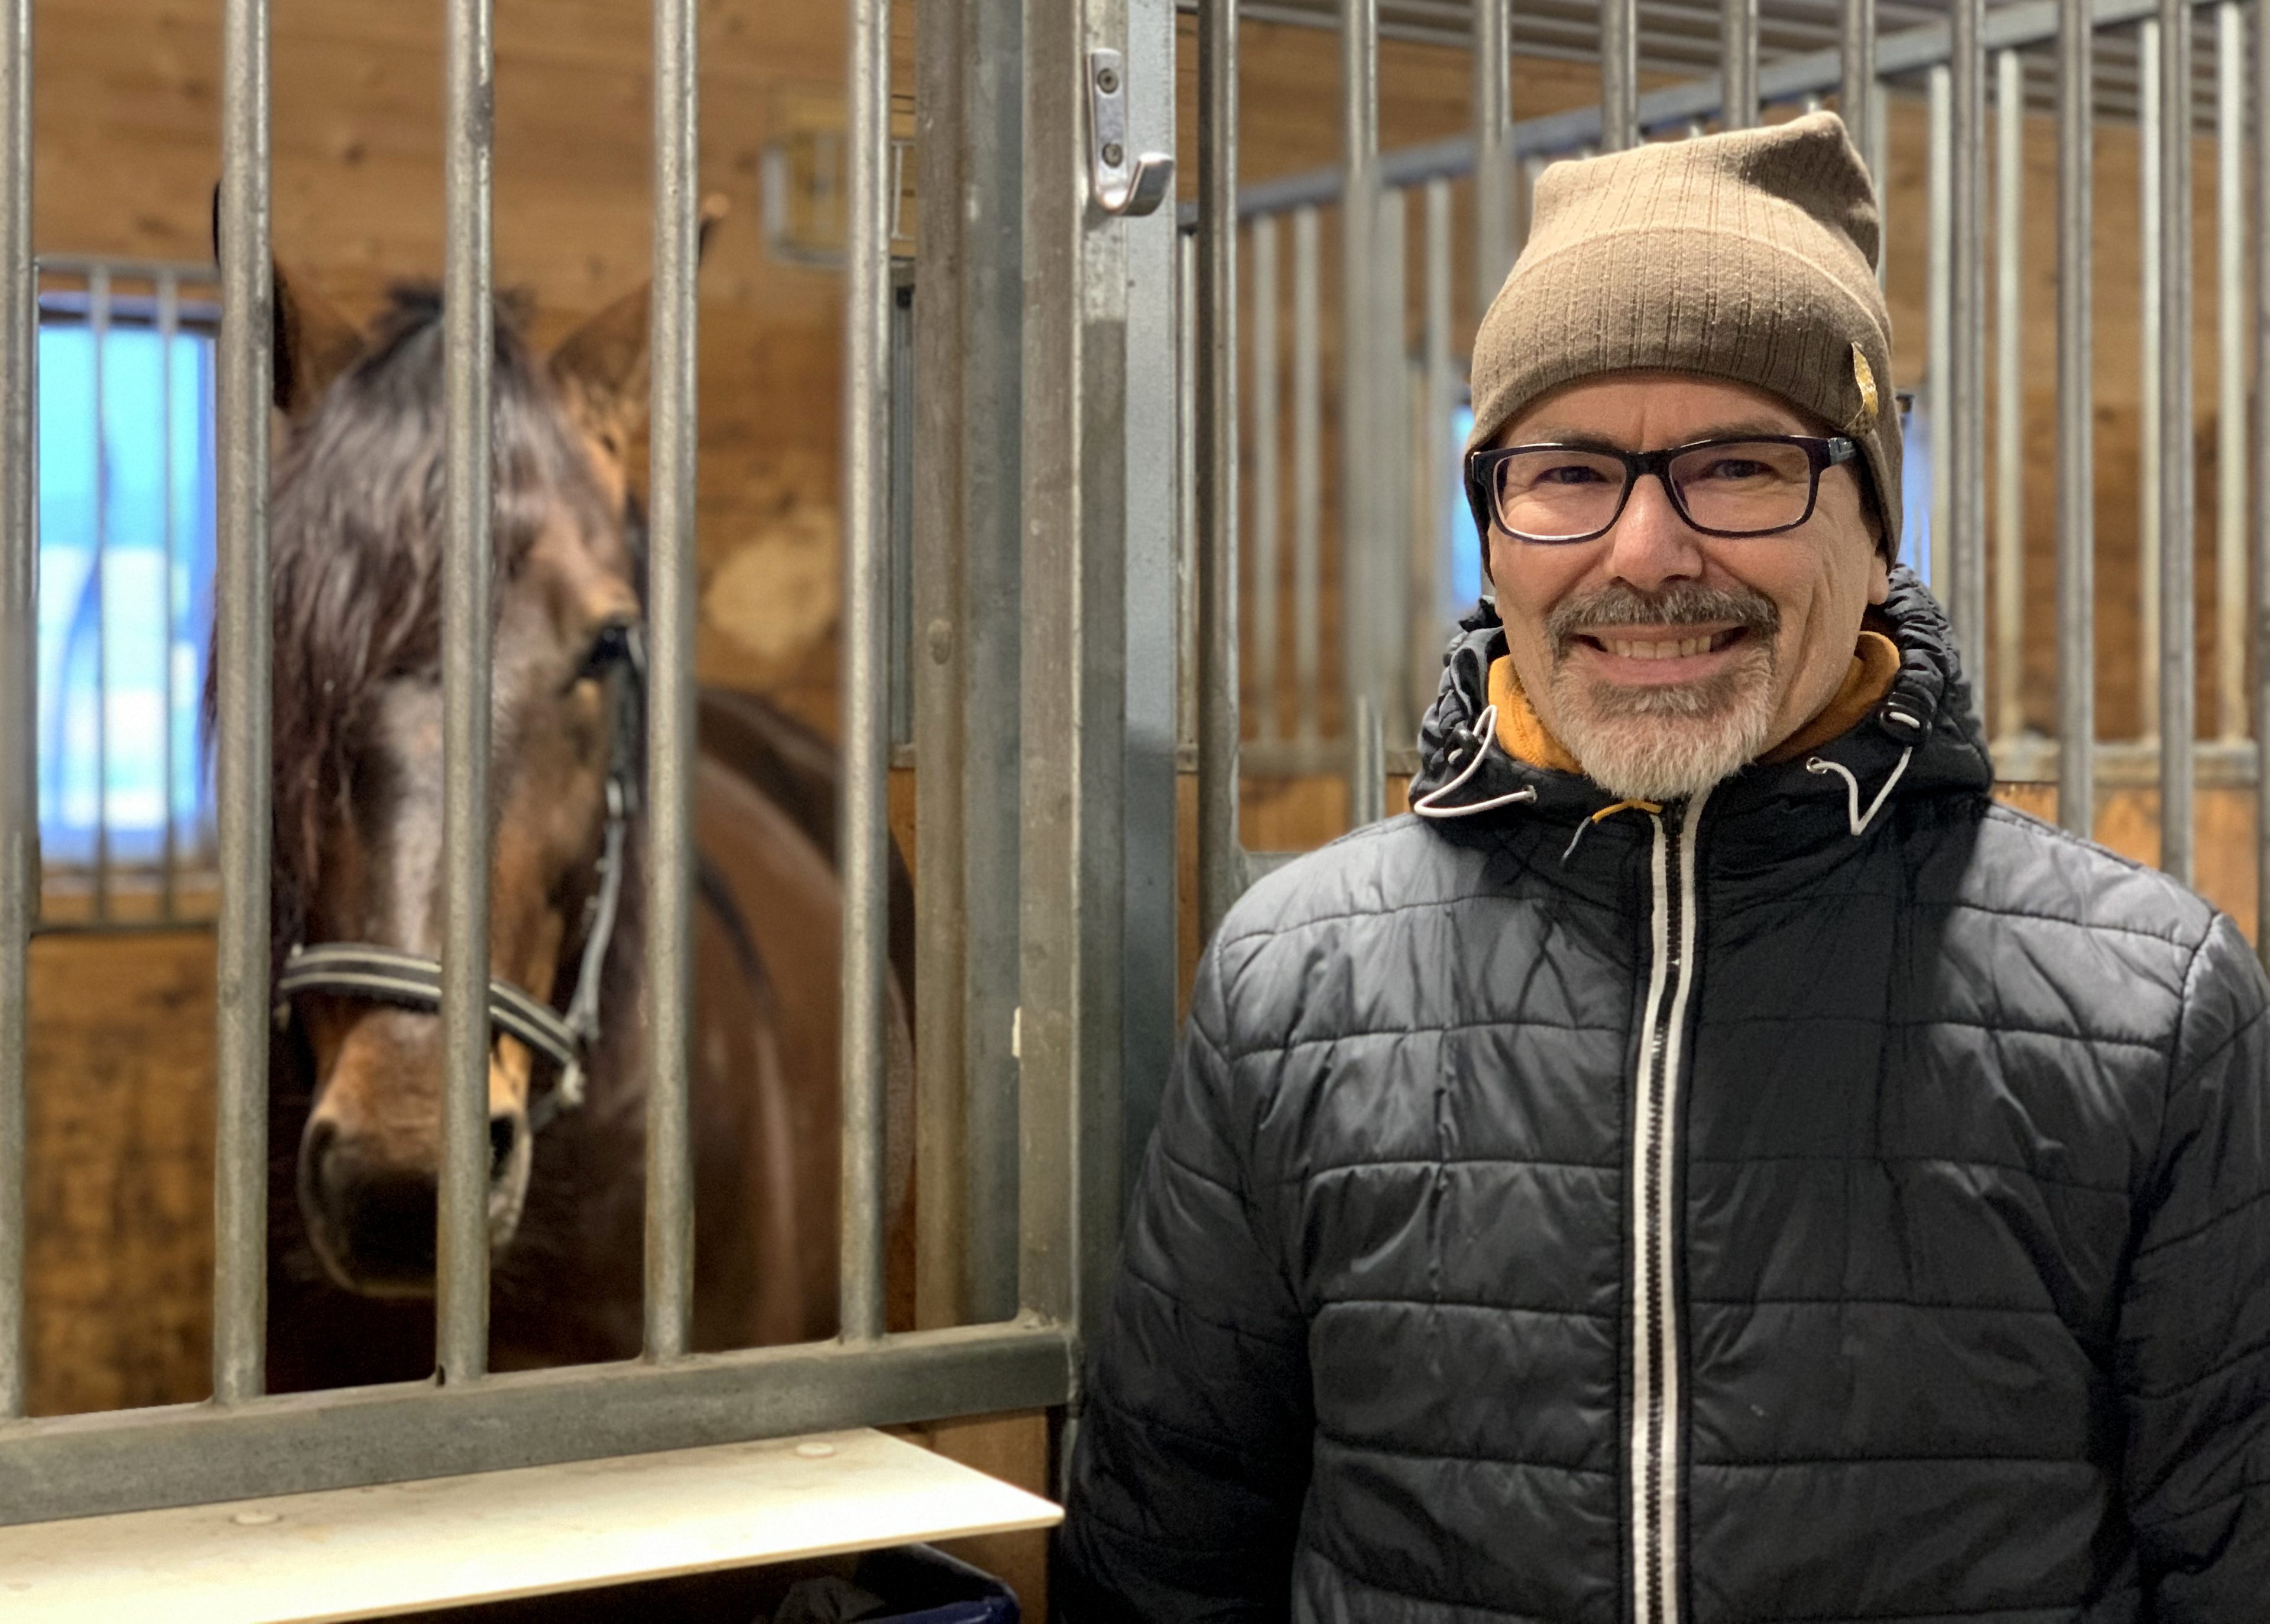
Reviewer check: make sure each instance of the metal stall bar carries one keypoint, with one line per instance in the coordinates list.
(1939, 325)
(865, 844)
(242, 637)
(2076, 454)
(2230, 538)
(670, 593)
(1268, 522)
(2009, 539)
(462, 1275)
(1072, 721)
(1186, 532)
(1387, 575)
(169, 324)
(1307, 474)
(98, 329)
(2013, 26)
(1221, 865)
(1438, 466)
(1857, 94)
(1619, 75)
(2177, 656)
(2261, 639)
(2148, 132)
(1493, 137)
(1965, 593)
(19, 559)
(1738, 64)
(1357, 475)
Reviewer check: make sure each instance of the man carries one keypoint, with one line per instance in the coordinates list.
(1711, 1163)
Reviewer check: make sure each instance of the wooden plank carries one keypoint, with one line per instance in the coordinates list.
(357, 1554)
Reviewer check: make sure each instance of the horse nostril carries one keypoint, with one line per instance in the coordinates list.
(504, 1133)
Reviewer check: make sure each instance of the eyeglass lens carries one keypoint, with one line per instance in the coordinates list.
(1551, 494)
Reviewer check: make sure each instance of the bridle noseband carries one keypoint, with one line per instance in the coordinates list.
(412, 980)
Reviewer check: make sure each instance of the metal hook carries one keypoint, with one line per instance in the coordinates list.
(1122, 186)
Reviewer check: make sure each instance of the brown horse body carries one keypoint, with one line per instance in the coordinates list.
(354, 1115)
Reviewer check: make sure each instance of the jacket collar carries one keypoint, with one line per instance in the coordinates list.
(1921, 739)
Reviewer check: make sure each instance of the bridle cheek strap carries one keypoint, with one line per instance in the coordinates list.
(413, 980)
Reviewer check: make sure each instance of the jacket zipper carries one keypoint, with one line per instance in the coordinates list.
(1653, 1463)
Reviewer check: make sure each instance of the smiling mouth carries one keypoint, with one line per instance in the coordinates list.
(1661, 649)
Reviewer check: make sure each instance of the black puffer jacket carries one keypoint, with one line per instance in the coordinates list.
(1840, 1198)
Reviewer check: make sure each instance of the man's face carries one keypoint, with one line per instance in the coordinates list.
(1664, 658)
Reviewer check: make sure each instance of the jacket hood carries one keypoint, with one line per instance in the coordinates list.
(1921, 738)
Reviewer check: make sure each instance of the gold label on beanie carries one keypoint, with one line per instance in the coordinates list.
(1865, 375)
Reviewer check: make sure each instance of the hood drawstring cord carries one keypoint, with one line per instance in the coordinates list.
(1651, 808)
(1485, 732)
(1860, 820)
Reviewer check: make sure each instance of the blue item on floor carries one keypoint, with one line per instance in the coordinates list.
(925, 1586)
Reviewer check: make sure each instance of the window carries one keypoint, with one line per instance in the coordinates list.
(126, 550)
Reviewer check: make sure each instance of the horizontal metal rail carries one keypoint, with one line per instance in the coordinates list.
(135, 1460)
(2008, 28)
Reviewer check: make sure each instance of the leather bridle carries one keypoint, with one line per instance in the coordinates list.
(378, 975)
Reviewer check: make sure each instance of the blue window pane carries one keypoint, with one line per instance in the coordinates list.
(109, 638)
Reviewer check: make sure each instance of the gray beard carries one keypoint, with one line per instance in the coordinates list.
(1665, 743)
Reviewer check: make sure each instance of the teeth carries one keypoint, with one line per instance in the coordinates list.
(1624, 648)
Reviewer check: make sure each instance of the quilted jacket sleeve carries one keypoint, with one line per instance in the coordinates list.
(2194, 1353)
(1192, 1454)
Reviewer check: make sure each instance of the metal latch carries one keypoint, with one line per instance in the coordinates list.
(1122, 184)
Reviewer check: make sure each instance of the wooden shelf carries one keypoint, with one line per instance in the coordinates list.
(365, 1553)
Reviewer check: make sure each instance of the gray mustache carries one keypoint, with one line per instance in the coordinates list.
(1623, 605)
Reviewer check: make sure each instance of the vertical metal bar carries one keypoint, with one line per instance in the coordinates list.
(2230, 538)
(1149, 952)
(20, 557)
(169, 861)
(2076, 514)
(2178, 656)
(2261, 317)
(1939, 297)
(991, 382)
(1075, 672)
(1493, 121)
(2149, 133)
(1357, 474)
(1856, 77)
(98, 329)
(98, 292)
(1221, 865)
(1438, 466)
(1738, 64)
(1966, 472)
(1307, 474)
(1268, 523)
(462, 1279)
(865, 843)
(1877, 154)
(946, 133)
(1388, 584)
(242, 637)
(670, 743)
(2009, 582)
(1619, 75)
(1186, 532)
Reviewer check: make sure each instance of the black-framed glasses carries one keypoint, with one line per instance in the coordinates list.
(1758, 485)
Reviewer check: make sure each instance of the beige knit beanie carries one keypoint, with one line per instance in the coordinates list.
(1749, 255)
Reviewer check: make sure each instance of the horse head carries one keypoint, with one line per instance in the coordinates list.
(356, 525)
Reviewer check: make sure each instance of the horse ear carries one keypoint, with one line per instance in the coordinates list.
(312, 342)
(602, 367)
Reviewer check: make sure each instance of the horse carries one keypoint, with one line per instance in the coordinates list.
(355, 1059)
